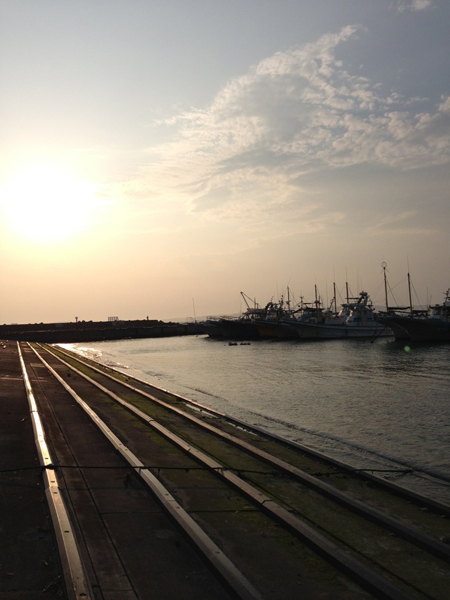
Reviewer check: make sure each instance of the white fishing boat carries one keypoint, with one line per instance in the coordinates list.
(356, 319)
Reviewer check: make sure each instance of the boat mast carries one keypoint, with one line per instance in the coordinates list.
(409, 291)
(384, 265)
(288, 300)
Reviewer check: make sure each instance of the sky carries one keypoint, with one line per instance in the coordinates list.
(159, 157)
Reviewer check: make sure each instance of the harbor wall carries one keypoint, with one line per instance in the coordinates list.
(91, 331)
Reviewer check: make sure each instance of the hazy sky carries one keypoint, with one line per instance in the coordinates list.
(161, 155)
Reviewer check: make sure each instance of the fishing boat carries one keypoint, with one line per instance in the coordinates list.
(278, 320)
(235, 328)
(273, 324)
(432, 326)
(268, 322)
(356, 319)
(242, 327)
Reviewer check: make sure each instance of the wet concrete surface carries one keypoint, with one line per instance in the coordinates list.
(29, 564)
(129, 547)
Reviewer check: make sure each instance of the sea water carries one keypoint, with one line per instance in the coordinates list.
(377, 405)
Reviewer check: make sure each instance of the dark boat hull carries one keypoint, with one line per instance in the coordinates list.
(418, 330)
(230, 329)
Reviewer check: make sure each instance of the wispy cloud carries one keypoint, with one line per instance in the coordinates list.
(294, 113)
(414, 5)
(398, 224)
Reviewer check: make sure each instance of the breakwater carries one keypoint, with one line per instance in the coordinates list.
(92, 331)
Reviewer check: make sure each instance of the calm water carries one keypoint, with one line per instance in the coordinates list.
(375, 405)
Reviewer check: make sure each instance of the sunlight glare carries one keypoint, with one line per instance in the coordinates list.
(47, 203)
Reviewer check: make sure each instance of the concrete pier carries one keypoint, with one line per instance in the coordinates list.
(29, 563)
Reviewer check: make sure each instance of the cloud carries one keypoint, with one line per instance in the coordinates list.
(399, 224)
(414, 5)
(297, 112)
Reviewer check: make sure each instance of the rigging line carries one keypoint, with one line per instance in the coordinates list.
(415, 294)
(367, 470)
(272, 473)
(126, 467)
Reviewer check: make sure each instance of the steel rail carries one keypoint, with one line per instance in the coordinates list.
(75, 580)
(401, 529)
(217, 559)
(365, 576)
(399, 490)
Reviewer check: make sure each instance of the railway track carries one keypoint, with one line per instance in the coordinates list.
(262, 518)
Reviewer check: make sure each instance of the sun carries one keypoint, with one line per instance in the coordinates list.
(47, 203)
